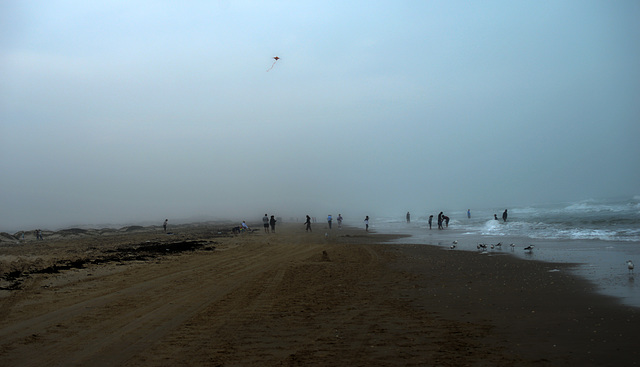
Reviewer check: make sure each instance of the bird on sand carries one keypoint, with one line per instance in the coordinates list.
(630, 266)
(529, 248)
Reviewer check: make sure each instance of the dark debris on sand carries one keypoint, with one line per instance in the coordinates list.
(13, 275)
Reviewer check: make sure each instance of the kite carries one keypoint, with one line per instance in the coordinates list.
(276, 58)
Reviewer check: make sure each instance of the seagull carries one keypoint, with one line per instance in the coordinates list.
(482, 246)
(455, 242)
(452, 247)
(499, 245)
(513, 245)
(529, 248)
(630, 266)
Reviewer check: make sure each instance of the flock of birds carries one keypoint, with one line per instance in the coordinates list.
(484, 246)
(528, 249)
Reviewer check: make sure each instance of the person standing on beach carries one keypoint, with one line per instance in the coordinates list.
(308, 223)
(440, 221)
(329, 219)
(504, 216)
(469, 213)
(164, 225)
(446, 220)
(366, 223)
(265, 223)
(272, 222)
(339, 221)
(430, 220)
(408, 217)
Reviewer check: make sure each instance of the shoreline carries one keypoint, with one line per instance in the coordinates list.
(601, 262)
(349, 298)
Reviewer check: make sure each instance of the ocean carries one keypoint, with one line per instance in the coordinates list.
(599, 236)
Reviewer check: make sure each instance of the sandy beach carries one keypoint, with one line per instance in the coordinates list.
(203, 296)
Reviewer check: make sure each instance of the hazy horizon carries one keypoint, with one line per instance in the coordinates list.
(121, 112)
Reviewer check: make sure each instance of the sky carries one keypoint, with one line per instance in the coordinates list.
(120, 112)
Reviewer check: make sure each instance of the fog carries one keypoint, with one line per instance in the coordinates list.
(120, 112)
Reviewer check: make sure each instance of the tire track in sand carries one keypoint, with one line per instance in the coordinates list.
(282, 301)
(109, 329)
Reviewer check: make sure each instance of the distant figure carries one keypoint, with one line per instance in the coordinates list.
(495, 216)
(468, 213)
(440, 220)
(339, 221)
(366, 223)
(446, 220)
(272, 222)
(329, 219)
(504, 215)
(430, 220)
(164, 225)
(308, 223)
(265, 223)
(408, 217)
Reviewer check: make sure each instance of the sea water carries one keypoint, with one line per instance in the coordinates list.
(599, 236)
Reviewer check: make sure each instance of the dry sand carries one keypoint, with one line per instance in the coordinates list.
(137, 298)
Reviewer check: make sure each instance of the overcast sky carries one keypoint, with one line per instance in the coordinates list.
(130, 111)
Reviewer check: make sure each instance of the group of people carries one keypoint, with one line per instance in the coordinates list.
(270, 223)
(243, 227)
(330, 220)
(266, 222)
(442, 219)
(307, 222)
(504, 216)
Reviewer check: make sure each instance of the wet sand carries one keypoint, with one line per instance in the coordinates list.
(205, 297)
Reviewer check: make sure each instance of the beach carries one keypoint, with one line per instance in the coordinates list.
(202, 296)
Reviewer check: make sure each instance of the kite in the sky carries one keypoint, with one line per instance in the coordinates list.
(276, 58)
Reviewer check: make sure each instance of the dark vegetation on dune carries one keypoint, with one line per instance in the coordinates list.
(140, 247)
(141, 252)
